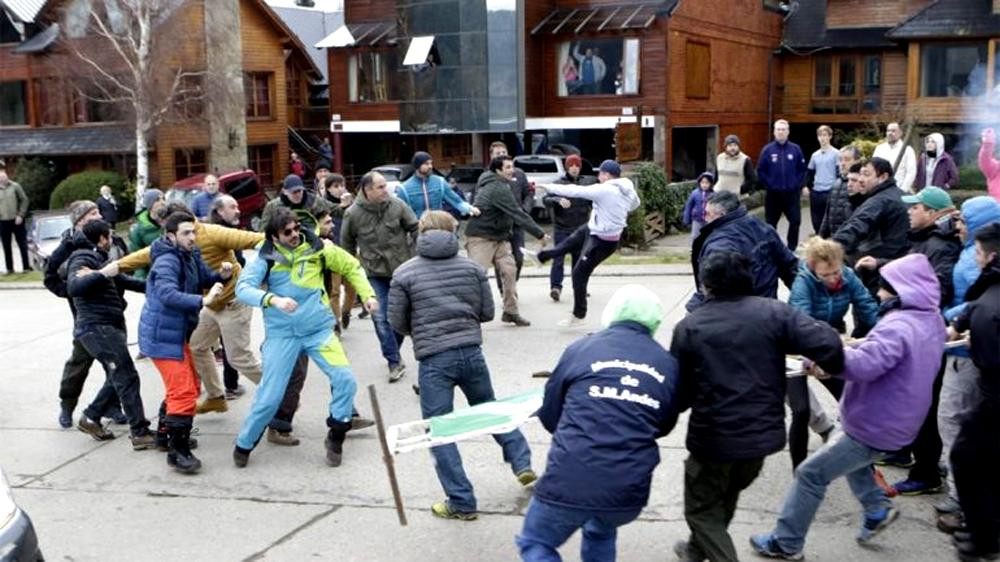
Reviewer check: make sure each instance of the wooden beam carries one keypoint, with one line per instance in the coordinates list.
(564, 21)
(589, 17)
(913, 73)
(608, 20)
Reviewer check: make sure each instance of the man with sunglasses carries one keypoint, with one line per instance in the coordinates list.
(297, 318)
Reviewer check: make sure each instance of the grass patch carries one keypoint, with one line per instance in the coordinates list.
(22, 277)
(649, 259)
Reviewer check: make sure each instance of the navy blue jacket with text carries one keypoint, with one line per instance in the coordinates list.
(782, 166)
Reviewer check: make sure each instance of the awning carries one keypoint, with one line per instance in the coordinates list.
(78, 140)
(41, 41)
(361, 34)
(637, 15)
(24, 10)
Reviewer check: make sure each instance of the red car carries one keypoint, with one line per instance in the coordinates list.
(241, 185)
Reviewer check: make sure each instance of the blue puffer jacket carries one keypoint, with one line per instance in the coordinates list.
(417, 192)
(694, 209)
(174, 286)
(810, 295)
(977, 213)
(611, 395)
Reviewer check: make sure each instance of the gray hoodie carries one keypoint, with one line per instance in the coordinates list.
(613, 201)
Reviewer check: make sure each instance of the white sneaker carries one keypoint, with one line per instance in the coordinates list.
(533, 255)
(572, 322)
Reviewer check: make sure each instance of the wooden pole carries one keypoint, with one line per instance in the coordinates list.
(387, 456)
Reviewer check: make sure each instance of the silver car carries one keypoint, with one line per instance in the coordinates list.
(44, 234)
(18, 542)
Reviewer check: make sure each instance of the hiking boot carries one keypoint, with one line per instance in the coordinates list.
(284, 438)
(572, 322)
(65, 417)
(345, 319)
(234, 393)
(179, 456)
(217, 404)
(555, 293)
(947, 505)
(143, 441)
(686, 552)
(241, 456)
(442, 510)
(899, 460)
(94, 429)
(767, 546)
(116, 415)
(911, 487)
(951, 522)
(358, 422)
(396, 372)
(873, 523)
(527, 478)
(334, 441)
(515, 319)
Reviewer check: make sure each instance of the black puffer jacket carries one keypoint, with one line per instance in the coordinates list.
(838, 209)
(578, 212)
(942, 246)
(98, 299)
(982, 319)
(732, 362)
(878, 227)
(440, 298)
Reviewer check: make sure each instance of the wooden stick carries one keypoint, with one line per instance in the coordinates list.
(387, 456)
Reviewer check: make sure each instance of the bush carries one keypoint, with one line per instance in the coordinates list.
(867, 147)
(677, 196)
(971, 177)
(38, 179)
(635, 230)
(651, 183)
(87, 185)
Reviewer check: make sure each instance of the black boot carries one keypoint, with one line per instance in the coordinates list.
(335, 441)
(180, 456)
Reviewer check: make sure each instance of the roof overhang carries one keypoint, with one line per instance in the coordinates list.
(361, 34)
(604, 19)
(24, 10)
(40, 41)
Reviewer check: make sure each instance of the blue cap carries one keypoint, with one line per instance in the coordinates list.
(611, 167)
(292, 182)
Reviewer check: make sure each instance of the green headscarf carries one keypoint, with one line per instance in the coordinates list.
(634, 303)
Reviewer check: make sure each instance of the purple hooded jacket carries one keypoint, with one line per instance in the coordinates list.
(890, 374)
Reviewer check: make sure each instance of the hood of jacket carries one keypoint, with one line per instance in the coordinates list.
(162, 246)
(437, 244)
(977, 213)
(938, 139)
(490, 177)
(915, 282)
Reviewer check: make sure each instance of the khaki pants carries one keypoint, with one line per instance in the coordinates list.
(498, 254)
(233, 324)
(333, 284)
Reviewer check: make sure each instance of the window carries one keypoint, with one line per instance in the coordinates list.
(190, 161)
(243, 188)
(189, 102)
(600, 67)
(872, 98)
(952, 69)
(50, 101)
(698, 70)
(824, 77)
(847, 83)
(12, 104)
(848, 77)
(293, 86)
(372, 77)
(257, 88)
(86, 109)
(261, 160)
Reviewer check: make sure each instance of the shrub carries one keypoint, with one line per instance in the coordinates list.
(867, 147)
(651, 183)
(971, 177)
(635, 230)
(87, 185)
(677, 196)
(38, 179)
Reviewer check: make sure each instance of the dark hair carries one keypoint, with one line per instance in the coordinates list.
(497, 163)
(279, 219)
(725, 200)
(321, 214)
(95, 230)
(726, 274)
(880, 165)
(175, 219)
(332, 179)
(177, 207)
(989, 238)
(855, 168)
(853, 149)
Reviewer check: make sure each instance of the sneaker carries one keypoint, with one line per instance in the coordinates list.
(873, 523)
(284, 438)
(358, 422)
(951, 522)
(442, 510)
(900, 460)
(94, 429)
(767, 546)
(363, 314)
(911, 487)
(396, 372)
(240, 457)
(572, 322)
(116, 415)
(555, 293)
(531, 254)
(947, 505)
(65, 418)
(217, 404)
(234, 393)
(143, 441)
(515, 319)
(527, 478)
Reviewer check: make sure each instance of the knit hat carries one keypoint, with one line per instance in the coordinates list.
(634, 303)
(732, 139)
(151, 196)
(419, 158)
(611, 167)
(78, 209)
(292, 183)
(323, 164)
(931, 197)
(574, 160)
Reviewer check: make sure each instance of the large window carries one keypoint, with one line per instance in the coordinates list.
(598, 67)
(86, 109)
(12, 104)
(260, 158)
(698, 70)
(293, 85)
(257, 88)
(372, 76)
(847, 83)
(190, 161)
(50, 101)
(952, 69)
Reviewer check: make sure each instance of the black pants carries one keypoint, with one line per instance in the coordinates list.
(282, 420)
(777, 203)
(927, 447)
(711, 491)
(74, 376)
(974, 458)
(798, 400)
(108, 345)
(230, 376)
(817, 208)
(8, 229)
(595, 251)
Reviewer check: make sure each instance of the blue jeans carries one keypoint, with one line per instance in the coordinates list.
(547, 526)
(439, 374)
(389, 340)
(842, 456)
(556, 273)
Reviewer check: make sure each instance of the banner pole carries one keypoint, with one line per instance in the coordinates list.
(387, 456)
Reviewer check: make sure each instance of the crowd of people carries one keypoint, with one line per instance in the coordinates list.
(914, 271)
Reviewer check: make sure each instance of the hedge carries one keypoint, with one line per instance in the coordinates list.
(87, 185)
(38, 179)
(657, 196)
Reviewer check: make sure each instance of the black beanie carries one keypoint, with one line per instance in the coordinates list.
(419, 158)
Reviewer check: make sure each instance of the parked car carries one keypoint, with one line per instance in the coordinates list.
(44, 234)
(242, 185)
(396, 174)
(545, 168)
(466, 178)
(18, 541)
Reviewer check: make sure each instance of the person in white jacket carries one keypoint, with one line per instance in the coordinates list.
(906, 171)
(613, 198)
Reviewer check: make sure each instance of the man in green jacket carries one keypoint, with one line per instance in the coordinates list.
(13, 212)
(381, 229)
(488, 235)
(148, 225)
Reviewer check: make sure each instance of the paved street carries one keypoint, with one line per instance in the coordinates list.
(95, 501)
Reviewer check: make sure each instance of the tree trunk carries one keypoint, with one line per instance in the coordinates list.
(141, 165)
